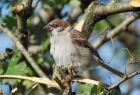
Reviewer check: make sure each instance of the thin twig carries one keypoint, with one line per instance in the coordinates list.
(125, 78)
(111, 69)
(21, 48)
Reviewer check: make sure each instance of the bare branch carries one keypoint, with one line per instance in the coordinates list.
(117, 30)
(34, 79)
(21, 48)
(47, 81)
(125, 78)
(99, 12)
(23, 11)
(82, 80)
(111, 69)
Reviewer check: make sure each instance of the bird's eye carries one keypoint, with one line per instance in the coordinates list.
(55, 25)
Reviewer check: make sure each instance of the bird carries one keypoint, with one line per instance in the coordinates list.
(71, 50)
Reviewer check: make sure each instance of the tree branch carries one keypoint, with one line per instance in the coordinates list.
(47, 81)
(21, 48)
(34, 79)
(125, 78)
(104, 65)
(82, 80)
(98, 12)
(117, 30)
(23, 11)
(111, 69)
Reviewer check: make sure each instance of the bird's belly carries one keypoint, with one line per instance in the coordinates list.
(63, 53)
(66, 54)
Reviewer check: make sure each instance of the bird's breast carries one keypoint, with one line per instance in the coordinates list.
(62, 50)
(66, 53)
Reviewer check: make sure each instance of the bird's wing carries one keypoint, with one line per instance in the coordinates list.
(78, 38)
(81, 40)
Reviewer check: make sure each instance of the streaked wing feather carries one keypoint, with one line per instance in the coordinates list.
(81, 40)
(78, 38)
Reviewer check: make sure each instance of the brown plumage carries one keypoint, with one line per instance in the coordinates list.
(60, 23)
(70, 47)
(56, 23)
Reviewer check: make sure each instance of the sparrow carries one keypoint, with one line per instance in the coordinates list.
(71, 50)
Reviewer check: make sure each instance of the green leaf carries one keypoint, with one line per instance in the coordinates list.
(116, 19)
(101, 25)
(86, 89)
(16, 69)
(100, 89)
(10, 63)
(14, 66)
(9, 20)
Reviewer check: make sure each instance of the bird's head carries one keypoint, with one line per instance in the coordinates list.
(56, 24)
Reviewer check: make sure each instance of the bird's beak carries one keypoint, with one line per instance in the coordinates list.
(48, 28)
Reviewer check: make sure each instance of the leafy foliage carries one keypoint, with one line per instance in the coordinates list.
(57, 4)
(100, 88)
(90, 89)
(85, 89)
(13, 66)
(101, 25)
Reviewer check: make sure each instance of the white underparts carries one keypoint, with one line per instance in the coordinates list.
(66, 53)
